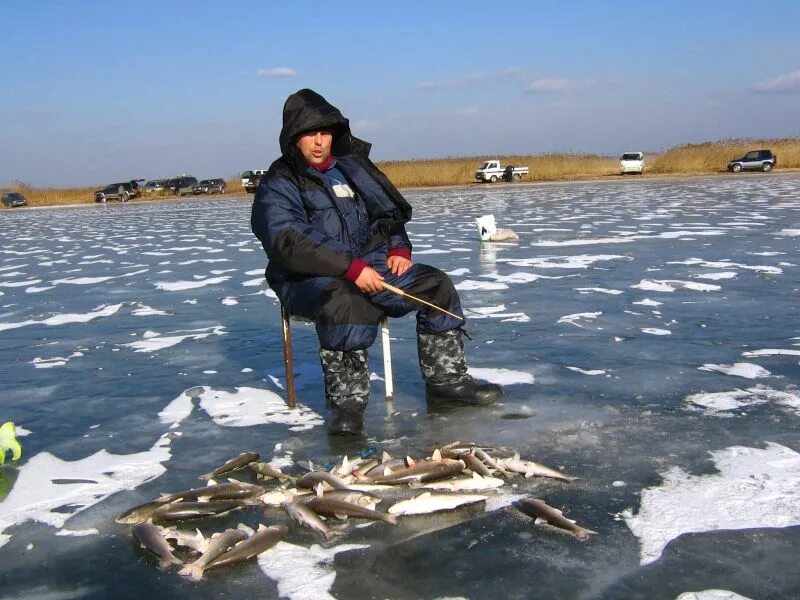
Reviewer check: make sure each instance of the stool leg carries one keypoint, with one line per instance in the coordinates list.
(287, 358)
(387, 359)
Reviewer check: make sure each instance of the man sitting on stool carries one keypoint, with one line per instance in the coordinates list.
(333, 228)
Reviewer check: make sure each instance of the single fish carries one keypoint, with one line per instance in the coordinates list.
(236, 490)
(8, 442)
(475, 464)
(150, 538)
(532, 469)
(220, 542)
(422, 472)
(476, 482)
(428, 503)
(543, 513)
(244, 459)
(178, 511)
(307, 517)
(267, 470)
(259, 542)
(140, 513)
(336, 508)
(310, 480)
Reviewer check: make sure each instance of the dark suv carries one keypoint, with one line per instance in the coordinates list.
(12, 199)
(117, 191)
(210, 186)
(755, 160)
(182, 185)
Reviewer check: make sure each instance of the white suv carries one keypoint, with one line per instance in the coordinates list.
(632, 162)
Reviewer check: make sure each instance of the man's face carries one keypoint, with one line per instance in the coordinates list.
(315, 146)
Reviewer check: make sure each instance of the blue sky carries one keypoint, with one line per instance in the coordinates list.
(97, 91)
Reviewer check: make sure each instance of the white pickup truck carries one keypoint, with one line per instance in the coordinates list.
(492, 170)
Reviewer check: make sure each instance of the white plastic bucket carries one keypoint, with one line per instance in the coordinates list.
(486, 227)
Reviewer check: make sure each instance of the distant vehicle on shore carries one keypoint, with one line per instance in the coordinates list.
(182, 185)
(492, 170)
(13, 199)
(122, 192)
(631, 162)
(755, 160)
(251, 179)
(210, 186)
(155, 185)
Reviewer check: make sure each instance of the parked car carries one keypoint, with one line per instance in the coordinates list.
(251, 179)
(492, 170)
(12, 199)
(155, 185)
(121, 192)
(631, 162)
(755, 160)
(182, 185)
(210, 186)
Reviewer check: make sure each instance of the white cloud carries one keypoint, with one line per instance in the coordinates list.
(277, 72)
(782, 84)
(557, 85)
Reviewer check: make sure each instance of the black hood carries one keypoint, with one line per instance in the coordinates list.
(305, 111)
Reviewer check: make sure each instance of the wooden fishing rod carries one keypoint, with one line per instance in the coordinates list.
(400, 292)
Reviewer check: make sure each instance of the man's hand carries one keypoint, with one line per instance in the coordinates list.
(369, 281)
(398, 264)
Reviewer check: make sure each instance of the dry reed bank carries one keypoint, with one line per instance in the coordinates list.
(708, 157)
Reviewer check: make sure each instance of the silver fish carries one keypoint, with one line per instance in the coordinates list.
(267, 470)
(178, 511)
(329, 506)
(149, 536)
(542, 512)
(221, 542)
(259, 542)
(305, 516)
(244, 459)
(310, 480)
(421, 472)
(140, 513)
(533, 469)
(236, 490)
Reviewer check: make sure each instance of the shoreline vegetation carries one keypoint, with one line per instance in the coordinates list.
(689, 159)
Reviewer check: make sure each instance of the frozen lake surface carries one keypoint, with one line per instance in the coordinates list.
(647, 333)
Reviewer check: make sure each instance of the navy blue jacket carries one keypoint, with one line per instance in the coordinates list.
(295, 213)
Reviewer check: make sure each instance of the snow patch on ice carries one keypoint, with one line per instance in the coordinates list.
(656, 331)
(39, 495)
(719, 403)
(711, 595)
(574, 318)
(303, 573)
(153, 341)
(64, 319)
(243, 408)
(586, 371)
(175, 286)
(501, 376)
(754, 488)
(740, 369)
(471, 284)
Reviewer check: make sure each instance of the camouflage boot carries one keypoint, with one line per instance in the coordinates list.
(346, 389)
(443, 363)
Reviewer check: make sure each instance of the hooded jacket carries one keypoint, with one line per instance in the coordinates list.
(295, 214)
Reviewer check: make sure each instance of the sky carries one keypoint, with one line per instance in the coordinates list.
(94, 92)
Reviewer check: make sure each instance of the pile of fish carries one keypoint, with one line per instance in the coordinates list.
(455, 475)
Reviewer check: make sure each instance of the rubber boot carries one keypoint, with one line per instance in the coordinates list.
(443, 363)
(346, 389)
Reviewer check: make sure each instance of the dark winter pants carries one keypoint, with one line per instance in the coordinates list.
(347, 319)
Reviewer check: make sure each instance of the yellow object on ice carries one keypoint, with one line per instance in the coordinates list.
(8, 441)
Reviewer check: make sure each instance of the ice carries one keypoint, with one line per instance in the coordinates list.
(643, 361)
(754, 488)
